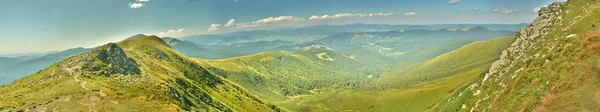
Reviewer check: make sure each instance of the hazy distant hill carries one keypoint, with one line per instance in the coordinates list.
(312, 33)
(195, 50)
(24, 68)
(406, 40)
(387, 40)
(27, 56)
(4, 62)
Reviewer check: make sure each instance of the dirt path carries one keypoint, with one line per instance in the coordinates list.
(82, 82)
(70, 71)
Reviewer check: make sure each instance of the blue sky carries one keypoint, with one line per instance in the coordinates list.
(38, 26)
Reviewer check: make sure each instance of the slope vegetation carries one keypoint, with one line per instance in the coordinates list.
(323, 80)
(279, 75)
(552, 66)
(140, 74)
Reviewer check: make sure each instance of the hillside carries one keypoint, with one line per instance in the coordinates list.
(278, 75)
(391, 93)
(297, 82)
(473, 56)
(142, 74)
(427, 53)
(553, 65)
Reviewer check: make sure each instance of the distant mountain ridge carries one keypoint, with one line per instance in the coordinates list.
(24, 68)
(387, 41)
(8, 61)
(312, 33)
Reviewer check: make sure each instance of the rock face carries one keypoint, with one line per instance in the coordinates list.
(545, 68)
(547, 58)
(108, 60)
(527, 39)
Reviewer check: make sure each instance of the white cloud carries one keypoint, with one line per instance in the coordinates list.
(453, 1)
(136, 5)
(344, 15)
(410, 13)
(278, 19)
(214, 27)
(175, 31)
(172, 32)
(142, 0)
(179, 32)
(536, 10)
(270, 20)
(282, 21)
(504, 11)
(230, 23)
(470, 10)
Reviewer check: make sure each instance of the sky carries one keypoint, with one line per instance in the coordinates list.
(50, 25)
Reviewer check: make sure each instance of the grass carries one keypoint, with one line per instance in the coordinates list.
(562, 77)
(142, 74)
(283, 78)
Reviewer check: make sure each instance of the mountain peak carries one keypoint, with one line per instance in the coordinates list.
(136, 36)
(109, 59)
(151, 40)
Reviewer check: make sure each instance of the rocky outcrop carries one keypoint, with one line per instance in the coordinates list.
(109, 59)
(530, 43)
(527, 38)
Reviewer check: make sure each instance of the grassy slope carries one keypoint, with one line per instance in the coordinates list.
(162, 80)
(428, 53)
(421, 95)
(563, 79)
(269, 74)
(466, 58)
(278, 75)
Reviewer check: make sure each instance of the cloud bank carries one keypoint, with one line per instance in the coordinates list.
(269, 20)
(453, 1)
(230, 23)
(504, 11)
(136, 5)
(214, 27)
(347, 15)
